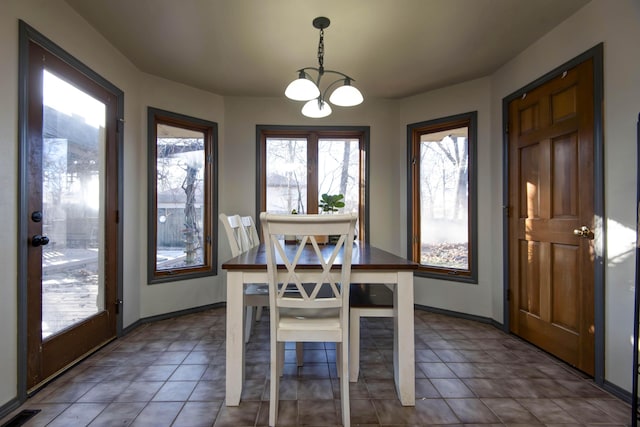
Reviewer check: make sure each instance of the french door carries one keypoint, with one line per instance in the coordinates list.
(69, 213)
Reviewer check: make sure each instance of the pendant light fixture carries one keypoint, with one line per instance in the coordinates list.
(306, 88)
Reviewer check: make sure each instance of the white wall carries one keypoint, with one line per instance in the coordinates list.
(58, 22)
(617, 24)
(474, 95)
(8, 198)
(173, 296)
(238, 155)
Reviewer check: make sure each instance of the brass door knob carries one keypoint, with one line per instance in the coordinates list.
(584, 232)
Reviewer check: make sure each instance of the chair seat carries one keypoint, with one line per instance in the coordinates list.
(322, 318)
(370, 296)
(310, 325)
(256, 289)
(255, 295)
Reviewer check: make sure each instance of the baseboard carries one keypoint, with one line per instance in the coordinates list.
(460, 315)
(611, 388)
(170, 315)
(8, 407)
(15, 402)
(615, 390)
(618, 392)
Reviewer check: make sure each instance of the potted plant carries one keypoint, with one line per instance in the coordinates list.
(330, 203)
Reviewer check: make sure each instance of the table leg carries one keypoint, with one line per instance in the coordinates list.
(235, 339)
(404, 341)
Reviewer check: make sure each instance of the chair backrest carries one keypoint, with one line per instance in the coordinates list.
(316, 276)
(237, 236)
(250, 231)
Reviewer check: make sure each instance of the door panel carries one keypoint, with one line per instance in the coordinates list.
(72, 226)
(552, 182)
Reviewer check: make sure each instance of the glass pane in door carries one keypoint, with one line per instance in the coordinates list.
(73, 153)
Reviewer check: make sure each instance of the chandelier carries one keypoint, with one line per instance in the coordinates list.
(306, 88)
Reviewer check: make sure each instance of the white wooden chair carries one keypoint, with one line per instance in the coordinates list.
(319, 309)
(250, 230)
(242, 236)
(367, 300)
(254, 293)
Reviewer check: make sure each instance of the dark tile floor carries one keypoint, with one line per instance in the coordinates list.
(171, 373)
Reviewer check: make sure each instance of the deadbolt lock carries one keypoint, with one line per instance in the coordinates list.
(39, 240)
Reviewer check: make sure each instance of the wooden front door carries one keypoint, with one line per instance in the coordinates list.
(551, 216)
(71, 215)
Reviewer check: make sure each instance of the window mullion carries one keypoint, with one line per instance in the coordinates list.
(312, 173)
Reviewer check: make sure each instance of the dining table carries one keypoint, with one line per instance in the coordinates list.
(369, 265)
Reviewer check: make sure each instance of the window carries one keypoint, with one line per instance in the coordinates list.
(299, 164)
(182, 170)
(442, 197)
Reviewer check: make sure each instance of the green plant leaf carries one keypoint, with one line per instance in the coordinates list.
(331, 202)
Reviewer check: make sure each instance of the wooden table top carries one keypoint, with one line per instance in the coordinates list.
(364, 257)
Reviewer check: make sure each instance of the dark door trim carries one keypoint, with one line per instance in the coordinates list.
(596, 54)
(28, 34)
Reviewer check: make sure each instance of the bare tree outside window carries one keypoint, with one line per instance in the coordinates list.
(179, 184)
(442, 197)
(339, 171)
(286, 171)
(301, 164)
(180, 207)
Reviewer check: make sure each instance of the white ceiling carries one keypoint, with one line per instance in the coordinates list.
(392, 48)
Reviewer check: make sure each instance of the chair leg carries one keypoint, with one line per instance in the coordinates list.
(248, 323)
(354, 345)
(344, 383)
(339, 359)
(300, 353)
(274, 378)
(280, 353)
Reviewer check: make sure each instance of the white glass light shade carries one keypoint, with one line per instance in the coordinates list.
(302, 89)
(346, 96)
(316, 109)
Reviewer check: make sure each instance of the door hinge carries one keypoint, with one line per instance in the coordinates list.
(508, 294)
(117, 217)
(118, 305)
(119, 125)
(505, 210)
